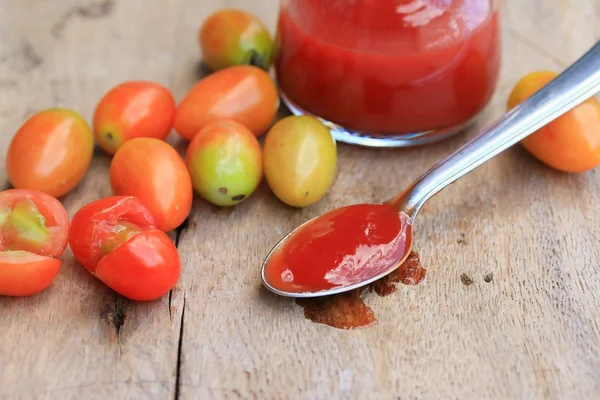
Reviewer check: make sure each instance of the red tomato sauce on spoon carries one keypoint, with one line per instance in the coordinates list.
(340, 248)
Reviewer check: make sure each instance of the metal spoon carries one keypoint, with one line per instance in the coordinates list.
(576, 84)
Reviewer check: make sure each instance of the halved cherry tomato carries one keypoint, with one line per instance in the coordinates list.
(23, 273)
(133, 109)
(115, 239)
(155, 173)
(243, 93)
(570, 143)
(51, 152)
(33, 232)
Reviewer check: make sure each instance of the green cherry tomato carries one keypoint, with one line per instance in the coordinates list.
(234, 37)
(300, 159)
(225, 162)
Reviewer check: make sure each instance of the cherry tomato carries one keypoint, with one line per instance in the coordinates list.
(133, 109)
(33, 232)
(116, 239)
(151, 170)
(235, 37)
(225, 162)
(243, 93)
(300, 159)
(51, 152)
(570, 143)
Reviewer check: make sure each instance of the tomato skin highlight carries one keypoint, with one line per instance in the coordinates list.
(155, 173)
(30, 276)
(243, 93)
(133, 109)
(51, 152)
(146, 267)
(571, 142)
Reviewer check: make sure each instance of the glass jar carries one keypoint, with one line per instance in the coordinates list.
(388, 72)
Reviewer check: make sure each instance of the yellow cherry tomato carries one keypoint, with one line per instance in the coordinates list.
(300, 159)
(570, 143)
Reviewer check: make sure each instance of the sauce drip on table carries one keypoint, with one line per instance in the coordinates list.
(348, 310)
(340, 248)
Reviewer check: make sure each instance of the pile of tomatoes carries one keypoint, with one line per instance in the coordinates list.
(122, 239)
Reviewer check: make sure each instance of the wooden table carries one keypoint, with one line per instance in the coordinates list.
(526, 236)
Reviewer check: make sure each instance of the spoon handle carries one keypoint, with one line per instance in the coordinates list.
(576, 84)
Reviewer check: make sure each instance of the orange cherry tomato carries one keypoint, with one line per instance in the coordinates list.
(51, 152)
(133, 109)
(235, 37)
(151, 170)
(116, 240)
(243, 93)
(570, 143)
(33, 232)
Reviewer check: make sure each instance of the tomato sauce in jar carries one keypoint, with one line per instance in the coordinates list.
(389, 67)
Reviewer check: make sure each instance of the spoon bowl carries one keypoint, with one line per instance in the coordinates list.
(368, 264)
(354, 246)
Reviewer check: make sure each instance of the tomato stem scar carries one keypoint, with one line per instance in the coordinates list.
(256, 59)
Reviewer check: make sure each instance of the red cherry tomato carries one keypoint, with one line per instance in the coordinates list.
(133, 109)
(23, 273)
(33, 232)
(155, 173)
(116, 239)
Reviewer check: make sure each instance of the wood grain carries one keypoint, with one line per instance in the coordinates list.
(527, 237)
